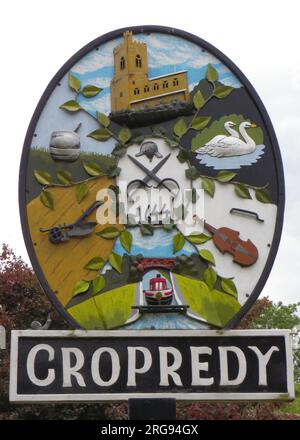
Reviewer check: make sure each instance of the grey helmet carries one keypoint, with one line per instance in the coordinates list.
(150, 149)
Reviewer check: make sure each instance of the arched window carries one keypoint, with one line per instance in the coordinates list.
(146, 88)
(122, 63)
(136, 91)
(156, 86)
(138, 61)
(165, 84)
(175, 82)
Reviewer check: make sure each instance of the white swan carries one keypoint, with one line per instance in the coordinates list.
(224, 146)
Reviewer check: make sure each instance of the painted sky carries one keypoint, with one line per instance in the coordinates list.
(166, 54)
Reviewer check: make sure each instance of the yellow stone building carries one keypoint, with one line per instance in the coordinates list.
(130, 86)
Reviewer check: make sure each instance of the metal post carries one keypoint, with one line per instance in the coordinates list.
(152, 409)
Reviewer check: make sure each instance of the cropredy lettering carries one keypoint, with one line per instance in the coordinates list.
(102, 365)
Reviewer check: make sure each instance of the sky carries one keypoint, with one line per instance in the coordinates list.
(166, 54)
(261, 38)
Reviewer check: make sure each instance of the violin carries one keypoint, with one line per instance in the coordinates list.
(228, 240)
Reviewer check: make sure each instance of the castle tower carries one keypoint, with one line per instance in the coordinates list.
(131, 72)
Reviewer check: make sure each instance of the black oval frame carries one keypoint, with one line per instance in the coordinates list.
(260, 107)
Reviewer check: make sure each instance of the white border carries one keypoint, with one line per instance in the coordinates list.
(29, 398)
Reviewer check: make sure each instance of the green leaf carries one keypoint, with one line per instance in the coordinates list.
(197, 238)
(102, 134)
(42, 177)
(126, 239)
(64, 177)
(71, 106)
(124, 135)
(47, 199)
(228, 286)
(109, 233)
(200, 122)
(198, 100)
(183, 156)
(138, 139)
(81, 191)
(91, 91)
(192, 173)
(103, 119)
(98, 284)
(81, 287)
(178, 242)
(74, 83)
(223, 91)
(211, 74)
(146, 229)
(115, 261)
(206, 255)
(209, 186)
(225, 176)
(180, 128)
(95, 263)
(242, 191)
(210, 277)
(262, 195)
(92, 169)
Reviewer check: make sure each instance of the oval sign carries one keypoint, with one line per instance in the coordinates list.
(151, 185)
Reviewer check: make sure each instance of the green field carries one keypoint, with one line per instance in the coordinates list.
(293, 407)
(40, 159)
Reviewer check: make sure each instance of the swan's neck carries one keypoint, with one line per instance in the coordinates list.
(249, 141)
(232, 132)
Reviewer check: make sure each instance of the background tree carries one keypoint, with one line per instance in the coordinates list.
(23, 301)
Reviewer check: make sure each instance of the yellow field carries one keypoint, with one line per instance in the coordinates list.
(63, 264)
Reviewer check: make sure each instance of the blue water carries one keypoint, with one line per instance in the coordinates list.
(159, 245)
(233, 162)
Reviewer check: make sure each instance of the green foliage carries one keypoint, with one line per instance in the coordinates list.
(95, 263)
(103, 119)
(71, 106)
(64, 177)
(90, 91)
(198, 100)
(178, 242)
(192, 173)
(223, 91)
(92, 169)
(146, 229)
(209, 186)
(109, 233)
(101, 134)
(262, 195)
(206, 255)
(42, 177)
(98, 284)
(126, 239)
(47, 199)
(81, 287)
(197, 238)
(225, 176)
(211, 74)
(74, 83)
(81, 191)
(210, 277)
(200, 122)
(242, 191)
(124, 135)
(115, 261)
(278, 315)
(228, 286)
(180, 128)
